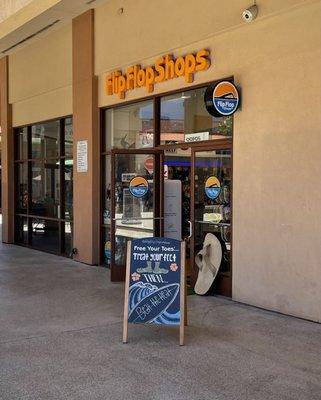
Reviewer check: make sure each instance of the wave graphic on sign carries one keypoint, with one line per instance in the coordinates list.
(138, 291)
(142, 300)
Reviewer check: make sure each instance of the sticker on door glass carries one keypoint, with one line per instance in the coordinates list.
(138, 186)
(212, 187)
(108, 250)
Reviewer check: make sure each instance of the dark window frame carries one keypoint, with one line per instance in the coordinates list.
(62, 158)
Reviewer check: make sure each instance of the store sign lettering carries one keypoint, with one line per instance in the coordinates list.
(165, 68)
(197, 137)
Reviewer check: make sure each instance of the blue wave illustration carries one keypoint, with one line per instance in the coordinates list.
(168, 318)
(139, 291)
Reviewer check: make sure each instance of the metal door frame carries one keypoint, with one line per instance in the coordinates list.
(224, 280)
(118, 272)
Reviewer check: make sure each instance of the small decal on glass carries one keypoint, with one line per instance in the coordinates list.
(212, 187)
(138, 187)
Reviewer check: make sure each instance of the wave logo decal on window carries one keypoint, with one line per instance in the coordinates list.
(138, 186)
(212, 187)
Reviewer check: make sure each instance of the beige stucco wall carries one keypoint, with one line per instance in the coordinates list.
(277, 145)
(40, 78)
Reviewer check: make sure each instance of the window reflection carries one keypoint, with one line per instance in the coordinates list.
(68, 137)
(130, 127)
(185, 113)
(45, 140)
(68, 189)
(45, 235)
(213, 214)
(45, 189)
(21, 224)
(21, 152)
(22, 189)
(107, 192)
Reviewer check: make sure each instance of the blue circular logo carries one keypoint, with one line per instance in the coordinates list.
(225, 98)
(138, 186)
(212, 187)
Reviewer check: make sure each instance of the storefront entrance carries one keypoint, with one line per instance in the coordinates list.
(198, 181)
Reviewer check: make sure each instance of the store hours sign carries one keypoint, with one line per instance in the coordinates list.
(155, 283)
(82, 156)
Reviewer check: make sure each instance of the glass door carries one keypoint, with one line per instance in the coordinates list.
(211, 209)
(136, 201)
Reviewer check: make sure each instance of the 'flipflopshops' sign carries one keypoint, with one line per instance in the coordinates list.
(222, 99)
(165, 68)
(155, 283)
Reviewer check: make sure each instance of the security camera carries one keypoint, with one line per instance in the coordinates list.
(250, 13)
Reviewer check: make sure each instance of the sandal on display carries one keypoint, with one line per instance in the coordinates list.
(208, 261)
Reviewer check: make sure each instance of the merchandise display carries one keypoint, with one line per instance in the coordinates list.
(208, 260)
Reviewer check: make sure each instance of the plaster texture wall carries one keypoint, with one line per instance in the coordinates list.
(277, 134)
(40, 78)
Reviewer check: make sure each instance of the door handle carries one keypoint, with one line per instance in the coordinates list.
(190, 230)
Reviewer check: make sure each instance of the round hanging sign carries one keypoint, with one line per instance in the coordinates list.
(222, 99)
(138, 186)
(212, 187)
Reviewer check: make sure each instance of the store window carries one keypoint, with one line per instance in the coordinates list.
(163, 120)
(130, 127)
(43, 179)
(184, 114)
(107, 208)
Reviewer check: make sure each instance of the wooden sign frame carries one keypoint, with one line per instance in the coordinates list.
(183, 296)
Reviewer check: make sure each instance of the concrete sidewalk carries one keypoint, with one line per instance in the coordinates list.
(60, 338)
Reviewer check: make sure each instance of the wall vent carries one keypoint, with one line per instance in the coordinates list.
(31, 36)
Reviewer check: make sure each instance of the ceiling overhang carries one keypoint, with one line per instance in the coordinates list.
(36, 19)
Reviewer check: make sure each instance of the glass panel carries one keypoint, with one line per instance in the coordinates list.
(45, 189)
(21, 230)
(107, 191)
(45, 140)
(68, 189)
(130, 126)
(21, 144)
(68, 137)
(68, 237)
(213, 177)
(45, 235)
(22, 189)
(177, 166)
(107, 246)
(134, 200)
(185, 113)
(44, 193)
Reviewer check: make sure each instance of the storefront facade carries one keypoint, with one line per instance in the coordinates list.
(154, 125)
(155, 140)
